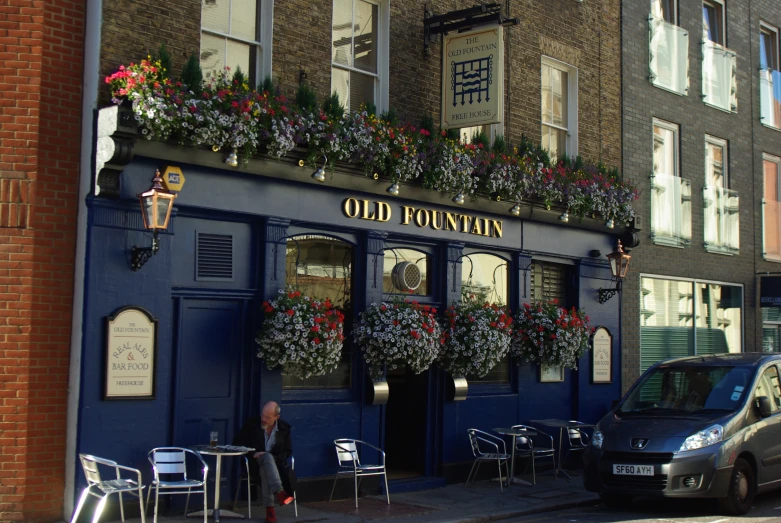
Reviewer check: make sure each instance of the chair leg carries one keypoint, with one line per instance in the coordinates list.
(499, 464)
(82, 499)
(534, 471)
(141, 503)
(205, 508)
(468, 476)
(187, 502)
(249, 491)
(333, 487)
(295, 504)
(355, 481)
(157, 501)
(121, 508)
(387, 492)
(99, 508)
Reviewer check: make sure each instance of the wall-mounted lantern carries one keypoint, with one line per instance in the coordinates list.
(156, 206)
(619, 265)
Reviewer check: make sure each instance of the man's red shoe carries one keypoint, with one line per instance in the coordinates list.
(271, 516)
(283, 498)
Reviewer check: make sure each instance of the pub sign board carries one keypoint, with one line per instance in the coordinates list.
(601, 356)
(770, 291)
(131, 354)
(473, 77)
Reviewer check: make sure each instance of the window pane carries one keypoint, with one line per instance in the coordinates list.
(243, 17)
(546, 94)
(342, 34)
(238, 57)
(714, 165)
(361, 90)
(394, 256)
(771, 339)
(549, 282)
(768, 386)
(365, 42)
(771, 180)
(718, 318)
(214, 15)
(340, 84)
(212, 55)
(559, 97)
(666, 314)
(485, 277)
(664, 151)
(711, 22)
(772, 211)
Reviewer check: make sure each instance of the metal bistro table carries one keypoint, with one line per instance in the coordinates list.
(515, 433)
(218, 452)
(561, 425)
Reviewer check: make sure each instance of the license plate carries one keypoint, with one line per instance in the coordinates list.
(633, 470)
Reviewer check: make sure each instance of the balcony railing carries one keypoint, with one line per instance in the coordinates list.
(770, 97)
(671, 210)
(668, 56)
(719, 76)
(722, 231)
(771, 225)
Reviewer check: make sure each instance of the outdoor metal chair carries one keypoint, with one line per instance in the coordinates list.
(103, 488)
(578, 439)
(479, 440)
(170, 467)
(245, 476)
(534, 447)
(349, 463)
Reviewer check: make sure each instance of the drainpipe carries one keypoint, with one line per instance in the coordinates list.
(88, 107)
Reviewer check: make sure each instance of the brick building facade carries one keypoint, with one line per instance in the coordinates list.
(41, 50)
(672, 125)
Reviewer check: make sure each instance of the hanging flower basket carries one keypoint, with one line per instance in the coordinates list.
(550, 335)
(477, 338)
(399, 334)
(302, 335)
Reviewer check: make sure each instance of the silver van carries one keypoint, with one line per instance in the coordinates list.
(702, 426)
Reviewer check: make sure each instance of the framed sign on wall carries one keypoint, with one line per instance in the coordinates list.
(131, 352)
(601, 356)
(552, 374)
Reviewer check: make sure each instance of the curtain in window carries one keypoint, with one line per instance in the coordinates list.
(669, 56)
(719, 76)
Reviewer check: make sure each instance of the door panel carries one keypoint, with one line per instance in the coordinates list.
(208, 366)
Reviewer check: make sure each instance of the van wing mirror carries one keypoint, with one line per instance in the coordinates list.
(764, 406)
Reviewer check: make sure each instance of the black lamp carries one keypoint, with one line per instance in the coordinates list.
(156, 205)
(619, 265)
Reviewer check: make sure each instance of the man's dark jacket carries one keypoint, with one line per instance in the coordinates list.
(251, 435)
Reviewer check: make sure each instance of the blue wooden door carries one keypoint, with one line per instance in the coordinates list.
(208, 362)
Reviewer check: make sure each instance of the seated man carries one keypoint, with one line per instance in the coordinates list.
(270, 437)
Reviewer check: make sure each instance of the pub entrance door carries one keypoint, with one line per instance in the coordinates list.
(406, 423)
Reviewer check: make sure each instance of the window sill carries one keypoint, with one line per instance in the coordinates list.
(670, 242)
(668, 89)
(716, 249)
(722, 109)
(771, 258)
(773, 127)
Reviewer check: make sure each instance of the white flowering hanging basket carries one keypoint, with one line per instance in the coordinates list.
(398, 334)
(301, 335)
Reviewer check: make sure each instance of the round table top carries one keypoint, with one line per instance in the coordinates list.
(561, 423)
(509, 431)
(221, 450)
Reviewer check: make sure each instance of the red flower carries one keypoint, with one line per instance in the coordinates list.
(290, 312)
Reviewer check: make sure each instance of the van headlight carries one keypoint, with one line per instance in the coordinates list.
(597, 438)
(703, 438)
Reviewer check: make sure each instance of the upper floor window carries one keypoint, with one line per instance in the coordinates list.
(321, 267)
(716, 165)
(358, 53)
(559, 108)
(237, 34)
(771, 205)
(666, 10)
(670, 194)
(720, 203)
(713, 21)
(769, 76)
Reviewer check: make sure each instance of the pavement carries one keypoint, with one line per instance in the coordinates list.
(480, 502)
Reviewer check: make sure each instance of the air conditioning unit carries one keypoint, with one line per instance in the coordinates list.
(406, 276)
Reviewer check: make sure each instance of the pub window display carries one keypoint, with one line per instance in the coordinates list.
(549, 282)
(404, 280)
(485, 276)
(321, 267)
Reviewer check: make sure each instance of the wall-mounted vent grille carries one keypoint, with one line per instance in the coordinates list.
(214, 257)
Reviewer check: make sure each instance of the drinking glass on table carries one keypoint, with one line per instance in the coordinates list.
(213, 436)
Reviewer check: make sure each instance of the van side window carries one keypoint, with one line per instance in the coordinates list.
(769, 386)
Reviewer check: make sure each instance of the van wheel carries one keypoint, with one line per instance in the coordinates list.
(742, 489)
(615, 500)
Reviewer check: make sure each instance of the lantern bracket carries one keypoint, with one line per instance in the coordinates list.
(606, 294)
(140, 255)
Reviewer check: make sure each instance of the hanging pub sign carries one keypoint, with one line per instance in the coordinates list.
(601, 356)
(473, 77)
(131, 349)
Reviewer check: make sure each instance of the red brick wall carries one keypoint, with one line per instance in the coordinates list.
(41, 53)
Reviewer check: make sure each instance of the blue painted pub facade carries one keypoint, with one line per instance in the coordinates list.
(224, 253)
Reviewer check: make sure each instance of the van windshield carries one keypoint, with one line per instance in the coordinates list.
(687, 390)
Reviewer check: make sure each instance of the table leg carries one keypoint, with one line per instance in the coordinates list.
(558, 466)
(512, 479)
(216, 513)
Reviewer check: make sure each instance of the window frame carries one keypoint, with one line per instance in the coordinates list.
(724, 144)
(571, 146)
(766, 157)
(673, 18)
(720, 8)
(676, 130)
(264, 28)
(765, 28)
(383, 51)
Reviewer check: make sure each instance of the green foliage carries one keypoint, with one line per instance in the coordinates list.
(306, 98)
(427, 123)
(332, 107)
(192, 76)
(452, 134)
(500, 146)
(481, 138)
(578, 163)
(267, 85)
(390, 116)
(239, 78)
(370, 109)
(165, 60)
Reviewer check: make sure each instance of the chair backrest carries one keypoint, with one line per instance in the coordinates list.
(474, 442)
(169, 460)
(90, 465)
(576, 436)
(346, 452)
